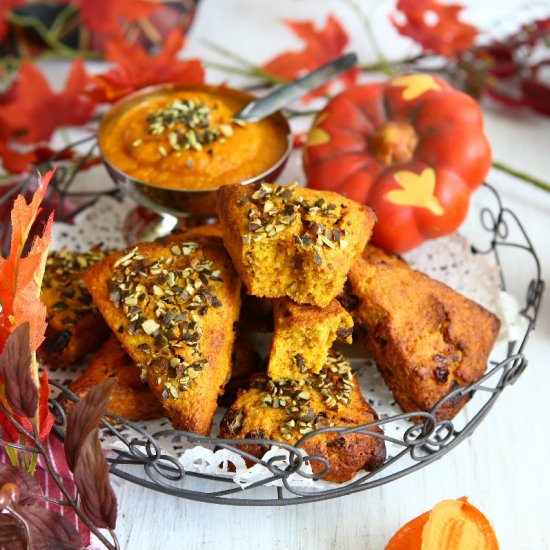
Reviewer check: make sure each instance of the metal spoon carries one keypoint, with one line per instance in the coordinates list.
(281, 97)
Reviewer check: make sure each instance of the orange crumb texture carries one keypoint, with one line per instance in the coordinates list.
(293, 242)
(451, 525)
(304, 335)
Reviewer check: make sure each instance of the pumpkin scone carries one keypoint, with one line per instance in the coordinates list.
(293, 242)
(426, 339)
(288, 410)
(303, 337)
(75, 325)
(173, 307)
(131, 398)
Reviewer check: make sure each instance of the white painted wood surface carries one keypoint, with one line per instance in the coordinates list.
(502, 467)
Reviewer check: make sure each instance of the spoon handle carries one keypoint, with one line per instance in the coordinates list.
(281, 97)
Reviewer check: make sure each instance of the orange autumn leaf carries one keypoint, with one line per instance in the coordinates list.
(436, 27)
(320, 47)
(136, 69)
(452, 525)
(107, 16)
(21, 276)
(30, 111)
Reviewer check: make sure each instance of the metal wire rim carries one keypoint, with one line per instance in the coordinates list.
(422, 443)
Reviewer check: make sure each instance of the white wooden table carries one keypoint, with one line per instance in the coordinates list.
(503, 467)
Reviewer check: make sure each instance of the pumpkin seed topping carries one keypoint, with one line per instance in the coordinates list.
(334, 383)
(272, 209)
(165, 300)
(187, 125)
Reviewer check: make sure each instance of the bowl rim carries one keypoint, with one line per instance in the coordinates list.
(127, 101)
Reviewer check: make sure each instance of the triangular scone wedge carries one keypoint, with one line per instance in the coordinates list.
(173, 307)
(288, 410)
(290, 241)
(303, 337)
(427, 340)
(130, 398)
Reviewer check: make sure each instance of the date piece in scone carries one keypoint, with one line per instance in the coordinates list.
(294, 242)
(426, 339)
(303, 337)
(131, 398)
(173, 307)
(75, 326)
(288, 410)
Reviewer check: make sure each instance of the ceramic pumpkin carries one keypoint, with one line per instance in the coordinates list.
(412, 148)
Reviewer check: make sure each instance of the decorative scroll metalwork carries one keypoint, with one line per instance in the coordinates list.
(424, 441)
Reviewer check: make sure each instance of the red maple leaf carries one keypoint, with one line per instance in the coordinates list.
(435, 27)
(31, 111)
(137, 69)
(107, 16)
(321, 47)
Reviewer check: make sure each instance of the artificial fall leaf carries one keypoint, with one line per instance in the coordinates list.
(436, 27)
(321, 47)
(31, 111)
(136, 69)
(21, 276)
(45, 418)
(91, 476)
(107, 16)
(84, 417)
(48, 529)
(15, 370)
(29, 489)
(20, 281)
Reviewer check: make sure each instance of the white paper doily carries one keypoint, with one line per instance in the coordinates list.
(447, 259)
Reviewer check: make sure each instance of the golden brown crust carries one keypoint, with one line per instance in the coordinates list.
(287, 241)
(75, 326)
(191, 233)
(288, 411)
(173, 307)
(130, 398)
(426, 338)
(303, 336)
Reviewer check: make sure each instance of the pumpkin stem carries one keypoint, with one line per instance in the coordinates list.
(393, 143)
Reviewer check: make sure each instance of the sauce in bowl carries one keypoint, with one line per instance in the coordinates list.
(187, 139)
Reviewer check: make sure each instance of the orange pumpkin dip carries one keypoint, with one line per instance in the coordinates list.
(187, 139)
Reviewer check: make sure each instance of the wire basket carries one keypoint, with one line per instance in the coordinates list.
(141, 460)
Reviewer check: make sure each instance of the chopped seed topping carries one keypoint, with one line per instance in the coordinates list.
(334, 384)
(165, 299)
(187, 125)
(274, 208)
(63, 274)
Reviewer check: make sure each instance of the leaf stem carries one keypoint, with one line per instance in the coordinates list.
(383, 64)
(253, 70)
(521, 175)
(48, 37)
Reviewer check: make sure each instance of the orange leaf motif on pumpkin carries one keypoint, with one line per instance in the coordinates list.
(435, 27)
(136, 69)
(416, 190)
(415, 85)
(321, 46)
